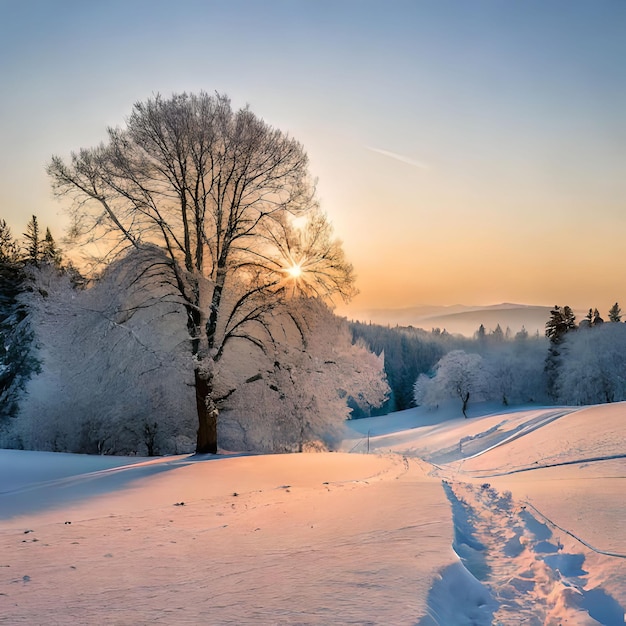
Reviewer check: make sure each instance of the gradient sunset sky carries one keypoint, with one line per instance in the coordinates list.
(468, 151)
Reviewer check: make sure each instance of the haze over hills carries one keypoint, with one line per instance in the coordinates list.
(464, 320)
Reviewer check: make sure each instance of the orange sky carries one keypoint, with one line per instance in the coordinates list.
(466, 152)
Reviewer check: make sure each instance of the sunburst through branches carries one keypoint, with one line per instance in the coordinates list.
(295, 271)
(310, 261)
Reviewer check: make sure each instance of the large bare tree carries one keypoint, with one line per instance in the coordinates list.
(223, 194)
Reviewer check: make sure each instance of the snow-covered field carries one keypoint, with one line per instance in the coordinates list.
(507, 518)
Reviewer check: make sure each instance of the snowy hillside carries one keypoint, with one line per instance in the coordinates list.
(507, 518)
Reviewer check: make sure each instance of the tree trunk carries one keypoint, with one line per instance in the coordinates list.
(465, 398)
(207, 409)
(207, 416)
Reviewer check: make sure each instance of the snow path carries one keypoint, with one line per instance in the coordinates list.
(533, 577)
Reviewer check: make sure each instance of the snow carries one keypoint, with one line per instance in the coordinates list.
(506, 518)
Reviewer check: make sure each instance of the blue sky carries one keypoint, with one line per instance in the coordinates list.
(467, 151)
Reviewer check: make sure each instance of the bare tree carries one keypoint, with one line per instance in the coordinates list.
(217, 191)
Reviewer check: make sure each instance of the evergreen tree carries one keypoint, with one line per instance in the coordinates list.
(562, 320)
(587, 322)
(9, 250)
(50, 253)
(597, 320)
(480, 333)
(522, 335)
(17, 363)
(570, 318)
(33, 242)
(497, 335)
(615, 313)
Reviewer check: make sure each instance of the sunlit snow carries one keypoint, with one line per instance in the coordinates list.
(507, 518)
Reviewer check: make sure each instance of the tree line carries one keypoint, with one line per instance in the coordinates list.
(571, 364)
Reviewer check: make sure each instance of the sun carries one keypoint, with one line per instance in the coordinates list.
(295, 271)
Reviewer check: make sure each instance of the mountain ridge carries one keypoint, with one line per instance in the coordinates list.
(462, 319)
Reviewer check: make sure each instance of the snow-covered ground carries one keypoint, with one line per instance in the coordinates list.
(504, 518)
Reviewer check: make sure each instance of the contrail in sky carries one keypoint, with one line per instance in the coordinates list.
(399, 157)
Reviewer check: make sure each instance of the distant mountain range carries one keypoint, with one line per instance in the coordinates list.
(464, 320)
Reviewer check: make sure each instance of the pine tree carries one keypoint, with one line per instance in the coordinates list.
(497, 335)
(17, 362)
(597, 320)
(562, 321)
(481, 333)
(522, 335)
(50, 253)
(615, 313)
(33, 242)
(8, 246)
(569, 319)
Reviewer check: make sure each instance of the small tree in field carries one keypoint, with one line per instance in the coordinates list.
(457, 375)
(216, 190)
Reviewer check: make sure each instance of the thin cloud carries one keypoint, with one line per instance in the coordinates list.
(400, 157)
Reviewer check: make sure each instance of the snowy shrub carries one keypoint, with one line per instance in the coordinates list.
(114, 379)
